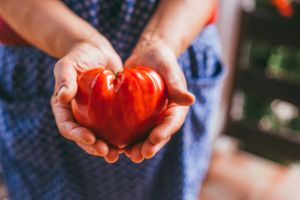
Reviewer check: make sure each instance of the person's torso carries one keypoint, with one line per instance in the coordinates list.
(93, 11)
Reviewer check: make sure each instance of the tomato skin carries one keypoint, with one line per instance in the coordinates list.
(121, 109)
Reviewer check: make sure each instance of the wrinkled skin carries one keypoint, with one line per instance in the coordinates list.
(85, 56)
(163, 60)
(81, 58)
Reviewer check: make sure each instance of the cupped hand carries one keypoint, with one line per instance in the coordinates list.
(81, 57)
(160, 57)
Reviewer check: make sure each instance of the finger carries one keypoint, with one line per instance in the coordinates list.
(176, 83)
(127, 151)
(78, 133)
(66, 125)
(171, 73)
(65, 81)
(149, 150)
(180, 96)
(171, 123)
(101, 148)
(133, 61)
(136, 155)
(114, 61)
(89, 149)
(120, 151)
(115, 64)
(112, 156)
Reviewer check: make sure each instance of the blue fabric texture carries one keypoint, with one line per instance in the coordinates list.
(39, 164)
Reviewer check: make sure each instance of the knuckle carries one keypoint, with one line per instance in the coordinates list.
(79, 134)
(66, 130)
(62, 63)
(175, 124)
(53, 99)
(58, 66)
(60, 83)
(156, 138)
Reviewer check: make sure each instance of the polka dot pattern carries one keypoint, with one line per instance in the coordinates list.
(40, 164)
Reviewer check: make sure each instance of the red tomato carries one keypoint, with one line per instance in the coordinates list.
(284, 7)
(120, 108)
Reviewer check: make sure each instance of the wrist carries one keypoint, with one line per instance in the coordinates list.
(155, 39)
(93, 41)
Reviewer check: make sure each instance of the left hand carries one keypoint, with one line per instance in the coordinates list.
(160, 57)
(83, 56)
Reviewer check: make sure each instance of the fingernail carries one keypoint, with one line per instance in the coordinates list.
(104, 151)
(121, 151)
(86, 141)
(127, 154)
(185, 99)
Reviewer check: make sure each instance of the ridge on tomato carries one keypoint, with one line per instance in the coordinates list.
(120, 108)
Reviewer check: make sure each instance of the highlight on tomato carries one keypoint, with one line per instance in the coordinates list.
(120, 108)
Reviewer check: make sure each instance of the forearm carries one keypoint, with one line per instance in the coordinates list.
(48, 25)
(178, 22)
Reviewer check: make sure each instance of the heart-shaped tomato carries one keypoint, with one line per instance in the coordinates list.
(120, 108)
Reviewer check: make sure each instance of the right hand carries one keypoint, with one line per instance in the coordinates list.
(156, 54)
(81, 57)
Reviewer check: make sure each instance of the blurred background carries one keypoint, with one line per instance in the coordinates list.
(257, 135)
(257, 131)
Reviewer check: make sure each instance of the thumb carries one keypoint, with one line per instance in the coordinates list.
(131, 61)
(115, 64)
(180, 96)
(172, 75)
(176, 85)
(65, 81)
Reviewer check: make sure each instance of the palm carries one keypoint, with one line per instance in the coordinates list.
(164, 62)
(80, 59)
